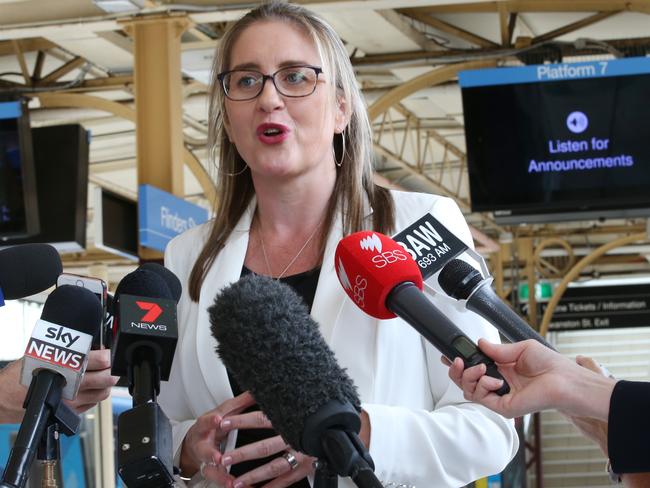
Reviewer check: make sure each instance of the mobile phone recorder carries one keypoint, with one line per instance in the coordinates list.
(99, 288)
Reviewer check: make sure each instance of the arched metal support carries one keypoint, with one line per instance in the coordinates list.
(426, 80)
(575, 271)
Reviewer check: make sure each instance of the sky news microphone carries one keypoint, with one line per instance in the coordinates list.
(462, 281)
(266, 336)
(144, 341)
(384, 281)
(53, 366)
(27, 269)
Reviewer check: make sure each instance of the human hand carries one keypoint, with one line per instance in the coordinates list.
(539, 379)
(12, 394)
(594, 429)
(281, 471)
(200, 449)
(96, 383)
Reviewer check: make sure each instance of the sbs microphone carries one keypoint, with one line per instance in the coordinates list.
(55, 360)
(27, 269)
(385, 282)
(462, 281)
(274, 349)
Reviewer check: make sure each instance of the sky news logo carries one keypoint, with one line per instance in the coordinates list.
(56, 355)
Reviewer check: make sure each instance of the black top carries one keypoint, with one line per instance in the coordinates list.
(304, 284)
(629, 427)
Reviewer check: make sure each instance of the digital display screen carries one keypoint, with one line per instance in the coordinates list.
(464, 347)
(13, 214)
(119, 223)
(572, 138)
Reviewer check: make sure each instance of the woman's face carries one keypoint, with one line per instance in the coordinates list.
(277, 135)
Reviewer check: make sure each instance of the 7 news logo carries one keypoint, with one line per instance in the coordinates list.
(152, 312)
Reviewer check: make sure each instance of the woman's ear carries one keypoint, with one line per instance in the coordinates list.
(341, 118)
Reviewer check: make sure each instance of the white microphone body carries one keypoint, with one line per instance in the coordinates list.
(58, 349)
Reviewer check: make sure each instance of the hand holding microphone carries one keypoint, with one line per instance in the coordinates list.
(54, 363)
(274, 349)
(380, 277)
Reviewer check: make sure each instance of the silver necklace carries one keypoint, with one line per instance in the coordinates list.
(266, 259)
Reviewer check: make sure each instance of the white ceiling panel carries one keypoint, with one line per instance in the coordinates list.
(360, 27)
(98, 50)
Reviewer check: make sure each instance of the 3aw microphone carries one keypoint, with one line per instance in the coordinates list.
(273, 348)
(462, 281)
(384, 281)
(54, 363)
(27, 269)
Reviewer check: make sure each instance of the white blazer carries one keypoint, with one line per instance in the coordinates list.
(423, 432)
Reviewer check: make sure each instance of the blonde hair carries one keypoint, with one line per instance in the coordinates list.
(354, 154)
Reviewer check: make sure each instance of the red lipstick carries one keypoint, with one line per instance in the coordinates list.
(270, 133)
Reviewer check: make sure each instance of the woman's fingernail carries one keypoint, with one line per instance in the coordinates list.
(225, 424)
(238, 484)
(226, 460)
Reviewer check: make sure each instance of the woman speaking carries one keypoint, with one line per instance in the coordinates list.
(290, 133)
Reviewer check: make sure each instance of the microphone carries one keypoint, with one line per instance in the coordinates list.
(145, 329)
(144, 340)
(274, 349)
(171, 280)
(54, 363)
(27, 269)
(462, 281)
(385, 282)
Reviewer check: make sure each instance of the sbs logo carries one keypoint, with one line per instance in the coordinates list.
(371, 243)
(388, 257)
(343, 276)
(359, 291)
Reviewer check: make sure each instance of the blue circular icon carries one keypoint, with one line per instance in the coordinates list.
(577, 122)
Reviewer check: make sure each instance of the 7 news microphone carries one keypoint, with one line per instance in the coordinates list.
(27, 269)
(462, 281)
(384, 281)
(274, 349)
(53, 366)
(145, 335)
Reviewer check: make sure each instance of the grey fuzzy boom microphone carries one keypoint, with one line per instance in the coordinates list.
(274, 349)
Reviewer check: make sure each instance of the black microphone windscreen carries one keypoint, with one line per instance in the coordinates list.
(458, 279)
(74, 307)
(170, 278)
(145, 283)
(274, 349)
(28, 269)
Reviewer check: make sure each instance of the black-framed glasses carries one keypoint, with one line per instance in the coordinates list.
(292, 81)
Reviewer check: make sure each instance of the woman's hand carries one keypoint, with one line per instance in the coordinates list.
(201, 446)
(594, 429)
(281, 471)
(539, 378)
(96, 383)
